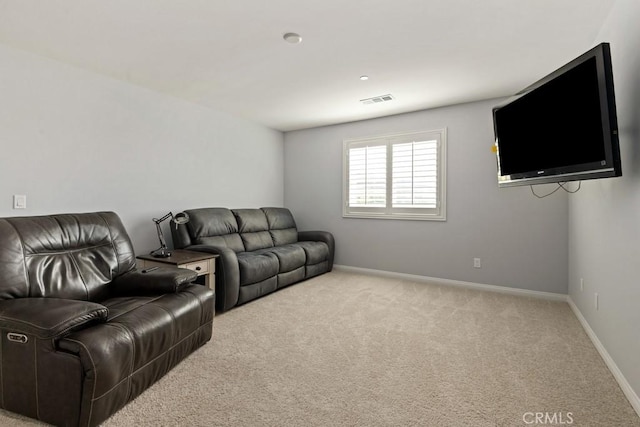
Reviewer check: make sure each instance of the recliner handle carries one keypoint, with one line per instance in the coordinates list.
(16, 337)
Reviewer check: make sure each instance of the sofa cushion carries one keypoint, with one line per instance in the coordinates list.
(316, 252)
(289, 257)
(215, 227)
(282, 226)
(256, 267)
(253, 228)
(157, 322)
(143, 338)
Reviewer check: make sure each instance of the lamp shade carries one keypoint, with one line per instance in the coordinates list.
(181, 218)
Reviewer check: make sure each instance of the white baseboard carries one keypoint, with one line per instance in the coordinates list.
(478, 286)
(628, 391)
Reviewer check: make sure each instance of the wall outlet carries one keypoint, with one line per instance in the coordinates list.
(477, 263)
(595, 300)
(581, 284)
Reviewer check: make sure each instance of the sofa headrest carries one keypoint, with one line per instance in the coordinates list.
(208, 226)
(282, 226)
(254, 229)
(63, 256)
(251, 220)
(207, 222)
(279, 218)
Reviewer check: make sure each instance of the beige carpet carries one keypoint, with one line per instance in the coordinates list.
(353, 350)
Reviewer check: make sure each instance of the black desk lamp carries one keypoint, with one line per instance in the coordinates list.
(179, 218)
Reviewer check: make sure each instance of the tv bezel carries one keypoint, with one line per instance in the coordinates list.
(583, 171)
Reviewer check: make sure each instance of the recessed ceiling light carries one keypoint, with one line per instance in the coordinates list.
(293, 38)
(363, 78)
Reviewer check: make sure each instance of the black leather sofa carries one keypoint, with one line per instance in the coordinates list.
(260, 250)
(83, 331)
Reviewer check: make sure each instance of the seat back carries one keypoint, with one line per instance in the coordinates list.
(282, 226)
(254, 229)
(73, 256)
(238, 229)
(208, 226)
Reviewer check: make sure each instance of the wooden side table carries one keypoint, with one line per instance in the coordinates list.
(201, 262)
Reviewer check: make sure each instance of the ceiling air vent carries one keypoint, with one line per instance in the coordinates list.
(377, 99)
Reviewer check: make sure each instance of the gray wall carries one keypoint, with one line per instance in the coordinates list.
(604, 216)
(522, 240)
(73, 141)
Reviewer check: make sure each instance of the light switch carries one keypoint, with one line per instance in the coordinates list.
(19, 201)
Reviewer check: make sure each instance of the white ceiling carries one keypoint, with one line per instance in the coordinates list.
(230, 55)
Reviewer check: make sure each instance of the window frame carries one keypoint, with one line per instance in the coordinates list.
(388, 212)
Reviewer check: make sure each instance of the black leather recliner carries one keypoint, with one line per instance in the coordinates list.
(260, 250)
(83, 331)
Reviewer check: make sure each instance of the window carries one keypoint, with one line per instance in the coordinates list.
(396, 176)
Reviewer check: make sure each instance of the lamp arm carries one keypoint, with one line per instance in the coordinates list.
(158, 221)
(163, 244)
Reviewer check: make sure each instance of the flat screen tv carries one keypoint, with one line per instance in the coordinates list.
(561, 128)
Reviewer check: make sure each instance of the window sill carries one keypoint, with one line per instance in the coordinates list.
(404, 217)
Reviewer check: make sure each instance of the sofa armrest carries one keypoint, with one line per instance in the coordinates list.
(227, 275)
(48, 317)
(320, 236)
(161, 280)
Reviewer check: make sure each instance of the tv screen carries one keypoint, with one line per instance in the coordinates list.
(561, 128)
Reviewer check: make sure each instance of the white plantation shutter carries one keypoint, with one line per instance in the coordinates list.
(415, 174)
(397, 176)
(368, 176)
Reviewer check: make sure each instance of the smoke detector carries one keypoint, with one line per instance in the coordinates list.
(377, 99)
